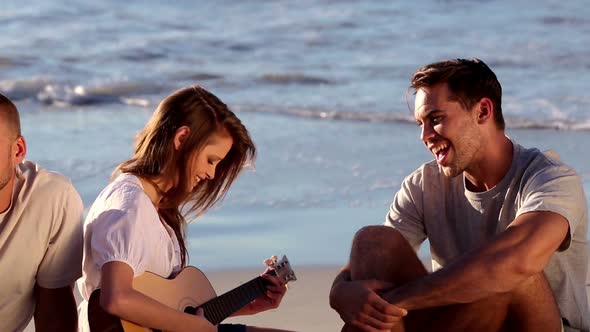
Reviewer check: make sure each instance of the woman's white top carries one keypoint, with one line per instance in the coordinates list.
(123, 225)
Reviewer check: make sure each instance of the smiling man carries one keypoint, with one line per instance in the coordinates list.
(507, 226)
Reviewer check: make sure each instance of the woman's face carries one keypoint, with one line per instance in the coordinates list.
(204, 162)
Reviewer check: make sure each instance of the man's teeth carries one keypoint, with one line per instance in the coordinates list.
(437, 149)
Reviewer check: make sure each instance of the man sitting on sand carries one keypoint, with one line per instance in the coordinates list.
(40, 237)
(507, 226)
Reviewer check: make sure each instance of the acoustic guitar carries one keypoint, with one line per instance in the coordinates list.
(187, 291)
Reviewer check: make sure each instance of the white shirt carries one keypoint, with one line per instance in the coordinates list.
(123, 225)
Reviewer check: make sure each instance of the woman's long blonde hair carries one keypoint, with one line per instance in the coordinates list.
(155, 156)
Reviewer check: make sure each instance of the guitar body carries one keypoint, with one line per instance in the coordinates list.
(190, 288)
(187, 291)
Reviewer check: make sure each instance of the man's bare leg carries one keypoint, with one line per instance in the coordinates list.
(529, 307)
(533, 307)
(380, 252)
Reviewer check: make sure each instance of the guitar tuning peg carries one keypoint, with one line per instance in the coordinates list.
(271, 262)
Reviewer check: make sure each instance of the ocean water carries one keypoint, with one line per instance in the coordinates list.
(321, 84)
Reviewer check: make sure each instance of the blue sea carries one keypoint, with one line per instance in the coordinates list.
(321, 84)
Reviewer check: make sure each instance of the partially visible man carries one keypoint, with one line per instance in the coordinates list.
(507, 226)
(40, 237)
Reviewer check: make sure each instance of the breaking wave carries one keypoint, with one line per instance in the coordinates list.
(47, 92)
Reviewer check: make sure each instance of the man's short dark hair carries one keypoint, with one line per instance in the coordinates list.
(9, 113)
(469, 80)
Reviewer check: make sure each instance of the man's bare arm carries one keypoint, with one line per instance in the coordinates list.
(521, 251)
(55, 309)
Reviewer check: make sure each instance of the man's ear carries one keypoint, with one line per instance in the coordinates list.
(180, 137)
(19, 149)
(485, 110)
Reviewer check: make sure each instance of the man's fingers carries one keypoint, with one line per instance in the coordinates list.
(376, 323)
(385, 307)
(378, 285)
(393, 310)
(370, 319)
(377, 315)
(365, 310)
(379, 303)
(388, 309)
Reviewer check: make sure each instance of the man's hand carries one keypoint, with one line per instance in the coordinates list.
(360, 305)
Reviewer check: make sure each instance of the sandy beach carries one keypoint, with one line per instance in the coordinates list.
(321, 85)
(304, 308)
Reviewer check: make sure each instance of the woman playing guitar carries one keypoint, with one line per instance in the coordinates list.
(185, 160)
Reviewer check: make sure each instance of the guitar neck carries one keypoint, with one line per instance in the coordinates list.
(221, 307)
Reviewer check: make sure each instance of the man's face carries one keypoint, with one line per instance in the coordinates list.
(448, 130)
(7, 160)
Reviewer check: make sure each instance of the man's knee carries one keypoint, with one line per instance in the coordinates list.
(379, 237)
(381, 252)
(379, 233)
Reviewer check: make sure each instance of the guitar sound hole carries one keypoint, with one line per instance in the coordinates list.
(191, 310)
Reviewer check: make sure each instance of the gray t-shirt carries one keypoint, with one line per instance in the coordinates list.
(456, 220)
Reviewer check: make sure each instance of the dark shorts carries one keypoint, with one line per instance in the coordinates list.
(231, 328)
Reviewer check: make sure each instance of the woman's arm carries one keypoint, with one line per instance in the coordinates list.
(118, 298)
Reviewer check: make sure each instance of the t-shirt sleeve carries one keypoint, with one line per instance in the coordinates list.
(557, 189)
(118, 233)
(62, 263)
(406, 211)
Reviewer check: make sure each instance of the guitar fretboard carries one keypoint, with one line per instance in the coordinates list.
(221, 307)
